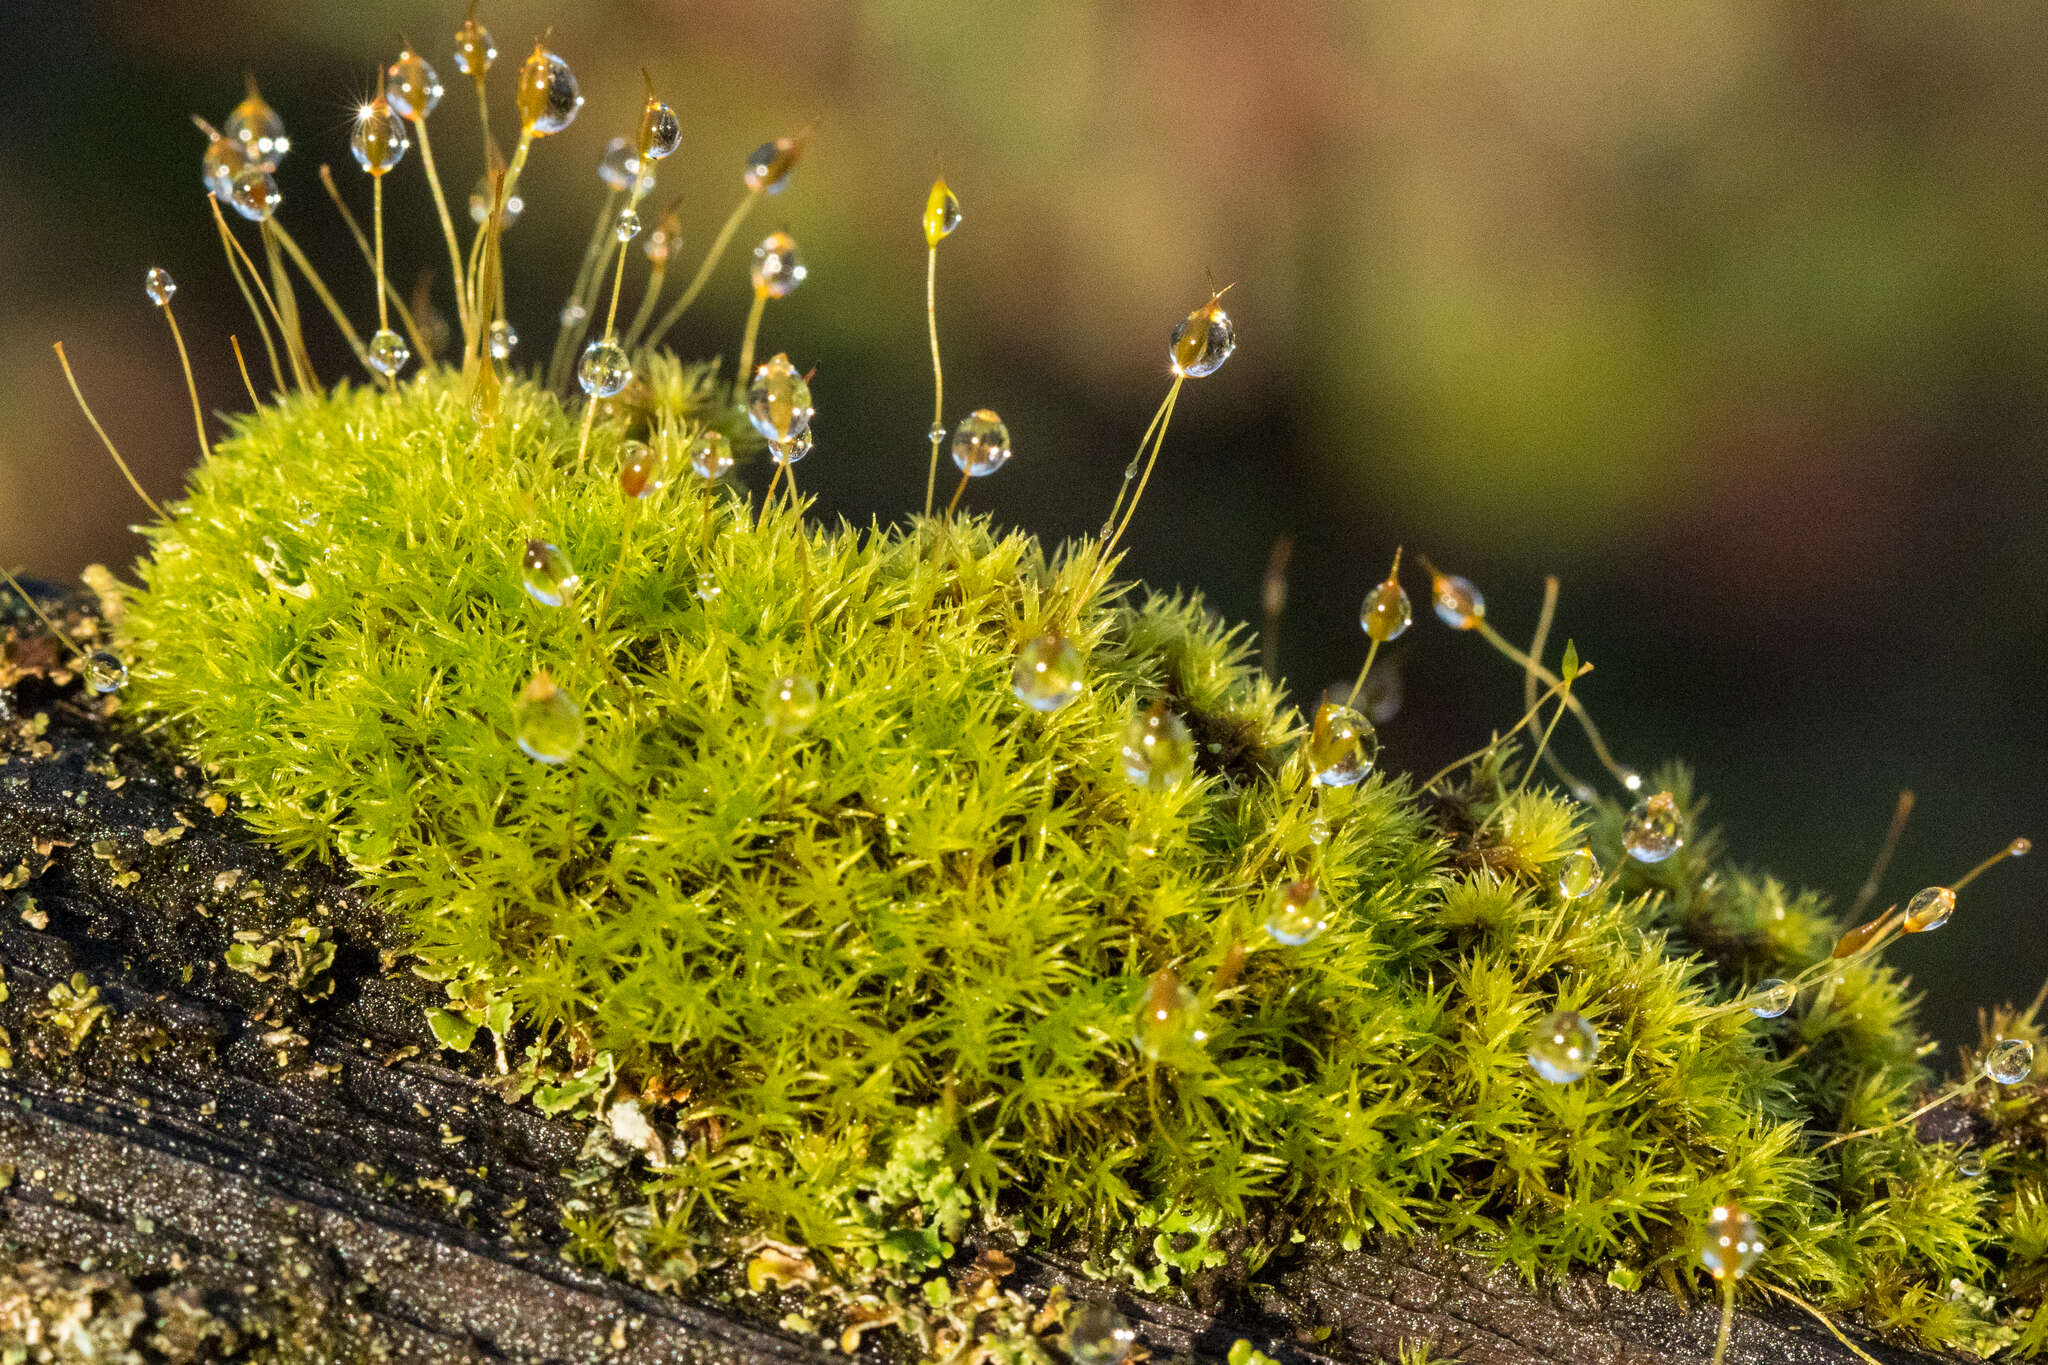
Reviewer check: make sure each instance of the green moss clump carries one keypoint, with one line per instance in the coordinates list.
(885, 975)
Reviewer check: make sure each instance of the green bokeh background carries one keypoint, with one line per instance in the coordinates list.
(1732, 314)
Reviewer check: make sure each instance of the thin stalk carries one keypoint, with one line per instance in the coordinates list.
(1727, 1321)
(1824, 1321)
(1131, 470)
(243, 366)
(191, 388)
(748, 336)
(1537, 643)
(320, 291)
(290, 331)
(593, 253)
(803, 559)
(1557, 686)
(1578, 708)
(405, 319)
(256, 279)
(1868, 892)
(462, 309)
(647, 302)
(931, 315)
(105, 440)
(42, 615)
(962, 488)
(228, 249)
(1954, 1092)
(711, 258)
(1158, 440)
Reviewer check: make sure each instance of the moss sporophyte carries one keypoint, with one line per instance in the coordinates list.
(894, 883)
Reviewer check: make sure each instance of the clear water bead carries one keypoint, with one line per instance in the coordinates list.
(1654, 831)
(378, 140)
(1929, 909)
(546, 724)
(1342, 746)
(710, 454)
(1562, 1048)
(474, 49)
(254, 194)
(640, 470)
(1158, 750)
(627, 226)
(225, 159)
(619, 164)
(778, 267)
(2010, 1061)
(779, 400)
(1203, 341)
(388, 352)
(104, 671)
(1771, 997)
(255, 125)
(504, 340)
(1578, 874)
(604, 369)
(791, 706)
(411, 85)
(937, 432)
(1298, 913)
(573, 314)
(769, 165)
(1458, 604)
(1386, 611)
(708, 586)
(1168, 1017)
(941, 213)
(548, 576)
(981, 443)
(1970, 1162)
(159, 285)
(661, 132)
(1099, 1335)
(548, 98)
(480, 204)
(792, 450)
(1732, 1243)
(1048, 672)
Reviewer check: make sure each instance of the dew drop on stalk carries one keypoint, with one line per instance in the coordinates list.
(412, 85)
(1458, 604)
(1654, 831)
(225, 159)
(548, 98)
(1319, 831)
(104, 671)
(981, 443)
(480, 204)
(769, 165)
(474, 49)
(792, 450)
(791, 706)
(546, 724)
(779, 400)
(388, 352)
(778, 267)
(1342, 746)
(937, 431)
(159, 285)
(1203, 341)
(640, 470)
(604, 369)
(1167, 1016)
(1158, 750)
(254, 194)
(627, 226)
(2010, 1061)
(1562, 1047)
(550, 579)
(1732, 1242)
(710, 454)
(1099, 1335)
(661, 132)
(1578, 874)
(1048, 673)
(941, 213)
(573, 315)
(1386, 611)
(504, 340)
(1771, 997)
(256, 125)
(618, 165)
(378, 140)
(1929, 909)
(1297, 913)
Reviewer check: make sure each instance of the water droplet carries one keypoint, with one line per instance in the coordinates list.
(779, 401)
(708, 586)
(104, 671)
(791, 706)
(1458, 604)
(769, 165)
(619, 164)
(604, 369)
(2010, 1061)
(549, 577)
(224, 160)
(573, 315)
(1204, 340)
(1563, 1047)
(388, 352)
(1319, 831)
(254, 194)
(1733, 1242)
(710, 454)
(2019, 848)
(1578, 874)
(547, 725)
(159, 285)
(627, 227)
(1970, 1162)
(504, 340)
(1929, 909)
(640, 470)
(1168, 1017)
(1158, 751)
(668, 230)
(1386, 611)
(474, 49)
(941, 213)
(1048, 673)
(937, 432)
(1771, 997)
(378, 140)
(548, 98)
(792, 450)
(1654, 830)
(412, 86)
(1342, 746)
(1632, 780)
(480, 204)
(661, 132)
(1099, 1335)
(1298, 913)
(778, 267)
(981, 443)
(255, 125)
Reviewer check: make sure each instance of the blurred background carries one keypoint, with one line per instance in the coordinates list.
(1731, 313)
